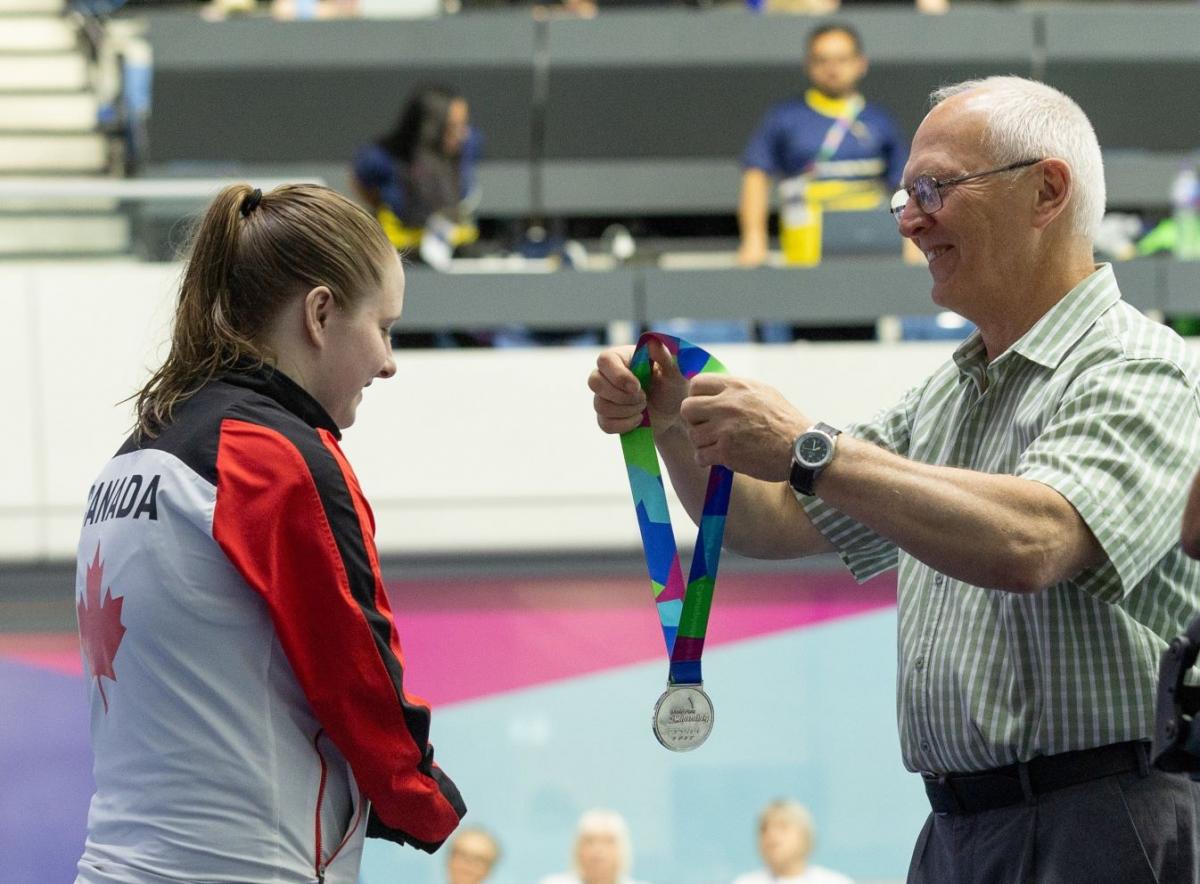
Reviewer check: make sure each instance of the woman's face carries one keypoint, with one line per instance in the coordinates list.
(358, 347)
(455, 133)
(783, 843)
(599, 857)
(472, 856)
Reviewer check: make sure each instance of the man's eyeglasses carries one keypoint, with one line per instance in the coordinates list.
(927, 190)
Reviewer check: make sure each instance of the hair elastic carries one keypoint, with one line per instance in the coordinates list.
(250, 203)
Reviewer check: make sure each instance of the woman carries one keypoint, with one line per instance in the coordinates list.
(419, 179)
(248, 716)
(785, 841)
(602, 853)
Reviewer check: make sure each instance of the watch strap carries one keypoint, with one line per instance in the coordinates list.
(803, 478)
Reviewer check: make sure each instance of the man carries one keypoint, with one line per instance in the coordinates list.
(827, 7)
(785, 839)
(473, 854)
(1029, 492)
(830, 148)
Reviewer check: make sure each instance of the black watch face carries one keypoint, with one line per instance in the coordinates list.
(812, 449)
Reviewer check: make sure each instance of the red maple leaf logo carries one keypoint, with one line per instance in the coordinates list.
(100, 629)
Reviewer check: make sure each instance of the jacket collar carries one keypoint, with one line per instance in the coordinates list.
(274, 384)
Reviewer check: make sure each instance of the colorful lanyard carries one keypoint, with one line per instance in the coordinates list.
(837, 132)
(683, 611)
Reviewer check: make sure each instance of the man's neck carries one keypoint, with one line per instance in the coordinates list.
(829, 105)
(1031, 296)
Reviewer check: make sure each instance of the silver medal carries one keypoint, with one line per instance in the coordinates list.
(683, 717)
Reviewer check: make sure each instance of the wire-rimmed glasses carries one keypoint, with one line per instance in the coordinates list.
(927, 190)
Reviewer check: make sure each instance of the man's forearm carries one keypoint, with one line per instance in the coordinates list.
(990, 530)
(753, 207)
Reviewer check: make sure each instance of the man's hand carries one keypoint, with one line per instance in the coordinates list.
(743, 424)
(752, 252)
(618, 398)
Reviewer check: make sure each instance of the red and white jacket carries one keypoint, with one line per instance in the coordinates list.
(248, 714)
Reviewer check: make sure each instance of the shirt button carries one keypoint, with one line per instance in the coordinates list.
(937, 581)
(919, 663)
(925, 745)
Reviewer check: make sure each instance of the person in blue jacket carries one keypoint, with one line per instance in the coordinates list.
(419, 178)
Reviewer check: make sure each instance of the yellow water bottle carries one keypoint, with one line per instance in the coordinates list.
(799, 225)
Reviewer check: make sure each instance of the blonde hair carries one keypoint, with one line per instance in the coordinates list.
(249, 255)
(795, 813)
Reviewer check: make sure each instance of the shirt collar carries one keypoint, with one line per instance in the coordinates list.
(826, 106)
(1057, 331)
(274, 384)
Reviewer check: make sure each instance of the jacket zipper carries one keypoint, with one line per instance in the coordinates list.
(350, 831)
(318, 865)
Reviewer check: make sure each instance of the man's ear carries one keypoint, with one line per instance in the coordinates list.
(1055, 186)
(318, 309)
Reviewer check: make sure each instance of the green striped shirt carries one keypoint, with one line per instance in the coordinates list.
(1101, 404)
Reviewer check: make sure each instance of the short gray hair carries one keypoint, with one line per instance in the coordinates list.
(1030, 120)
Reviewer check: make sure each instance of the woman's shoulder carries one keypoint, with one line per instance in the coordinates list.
(372, 151)
(267, 411)
(372, 160)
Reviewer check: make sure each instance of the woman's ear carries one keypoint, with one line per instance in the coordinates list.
(318, 309)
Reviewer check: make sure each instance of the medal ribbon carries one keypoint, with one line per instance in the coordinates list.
(683, 611)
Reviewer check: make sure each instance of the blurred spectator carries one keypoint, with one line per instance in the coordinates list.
(827, 7)
(419, 178)
(602, 853)
(286, 10)
(472, 855)
(932, 7)
(566, 9)
(830, 150)
(1163, 240)
(785, 840)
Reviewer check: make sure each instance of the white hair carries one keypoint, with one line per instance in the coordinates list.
(1029, 120)
(606, 822)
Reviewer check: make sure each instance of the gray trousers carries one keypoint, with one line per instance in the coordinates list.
(1122, 829)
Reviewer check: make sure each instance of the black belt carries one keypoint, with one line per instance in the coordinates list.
(1018, 783)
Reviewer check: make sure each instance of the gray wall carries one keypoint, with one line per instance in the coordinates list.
(646, 110)
(838, 291)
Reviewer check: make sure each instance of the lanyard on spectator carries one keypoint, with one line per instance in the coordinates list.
(837, 133)
(682, 611)
(795, 190)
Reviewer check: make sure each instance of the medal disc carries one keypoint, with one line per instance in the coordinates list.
(683, 717)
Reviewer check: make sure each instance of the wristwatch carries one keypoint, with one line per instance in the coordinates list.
(811, 453)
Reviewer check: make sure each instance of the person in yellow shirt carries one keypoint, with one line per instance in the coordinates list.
(829, 149)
